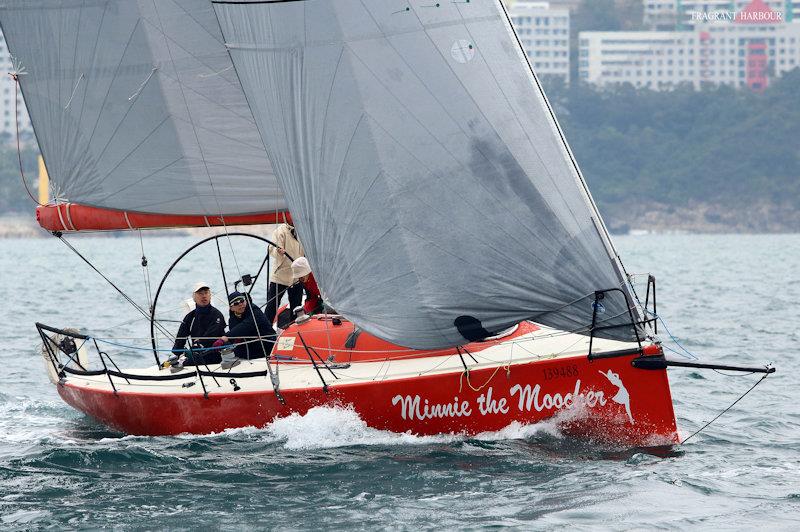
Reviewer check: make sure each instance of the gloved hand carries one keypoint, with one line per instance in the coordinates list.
(171, 361)
(218, 343)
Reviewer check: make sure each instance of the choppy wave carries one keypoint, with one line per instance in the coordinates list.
(327, 469)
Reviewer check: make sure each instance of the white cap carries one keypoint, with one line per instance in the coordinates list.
(199, 285)
(300, 268)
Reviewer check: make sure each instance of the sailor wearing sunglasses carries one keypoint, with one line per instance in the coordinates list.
(248, 329)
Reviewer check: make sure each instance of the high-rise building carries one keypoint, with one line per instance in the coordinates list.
(8, 124)
(748, 51)
(677, 14)
(544, 33)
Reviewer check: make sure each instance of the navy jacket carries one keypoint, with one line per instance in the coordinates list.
(205, 323)
(245, 326)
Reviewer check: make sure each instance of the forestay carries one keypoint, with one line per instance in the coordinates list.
(136, 106)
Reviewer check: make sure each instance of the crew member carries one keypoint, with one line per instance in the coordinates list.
(248, 329)
(201, 327)
(301, 271)
(280, 280)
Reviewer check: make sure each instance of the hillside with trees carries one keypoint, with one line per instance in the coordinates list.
(712, 160)
(13, 197)
(731, 157)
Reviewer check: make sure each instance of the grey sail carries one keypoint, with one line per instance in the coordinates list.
(424, 169)
(136, 106)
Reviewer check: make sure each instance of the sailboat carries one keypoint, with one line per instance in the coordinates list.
(445, 218)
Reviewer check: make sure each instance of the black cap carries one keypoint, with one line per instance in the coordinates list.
(236, 295)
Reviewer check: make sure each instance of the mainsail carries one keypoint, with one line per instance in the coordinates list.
(423, 166)
(136, 107)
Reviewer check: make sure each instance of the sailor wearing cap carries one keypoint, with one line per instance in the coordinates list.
(200, 327)
(249, 328)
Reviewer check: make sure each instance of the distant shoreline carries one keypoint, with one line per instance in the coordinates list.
(21, 226)
(701, 218)
(628, 219)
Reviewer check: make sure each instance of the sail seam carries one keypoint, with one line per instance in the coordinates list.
(186, 106)
(191, 16)
(116, 70)
(443, 147)
(456, 123)
(94, 59)
(607, 243)
(135, 148)
(525, 132)
(151, 174)
(163, 33)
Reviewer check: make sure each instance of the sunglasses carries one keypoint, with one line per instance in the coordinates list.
(237, 301)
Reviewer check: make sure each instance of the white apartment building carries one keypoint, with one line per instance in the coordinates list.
(8, 125)
(544, 33)
(740, 54)
(674, 14)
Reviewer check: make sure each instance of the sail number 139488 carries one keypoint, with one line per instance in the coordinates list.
(560, 372)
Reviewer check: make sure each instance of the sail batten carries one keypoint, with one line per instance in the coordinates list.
(425, 172)
(136, 107)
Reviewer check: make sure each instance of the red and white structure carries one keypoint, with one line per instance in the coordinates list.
(526, 374)
(745, 49)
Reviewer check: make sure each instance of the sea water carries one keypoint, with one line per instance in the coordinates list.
(729, 299)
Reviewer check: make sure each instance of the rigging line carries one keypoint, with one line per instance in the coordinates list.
(146, 274)
(190, 341)
(668, 348)
(258, 273)
(732, 374)
(327, 331)
(222, 269)
(469, 383)
(15, 76)
(118, 289)
(429, 370)
(170, 350)
(759, 381)
(688, 354)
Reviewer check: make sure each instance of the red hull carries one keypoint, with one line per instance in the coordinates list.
(605, 399)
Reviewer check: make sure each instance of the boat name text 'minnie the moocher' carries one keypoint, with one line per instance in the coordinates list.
(524, 398)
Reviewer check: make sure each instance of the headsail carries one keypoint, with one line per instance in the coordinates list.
(136, 106)
(423, 166)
